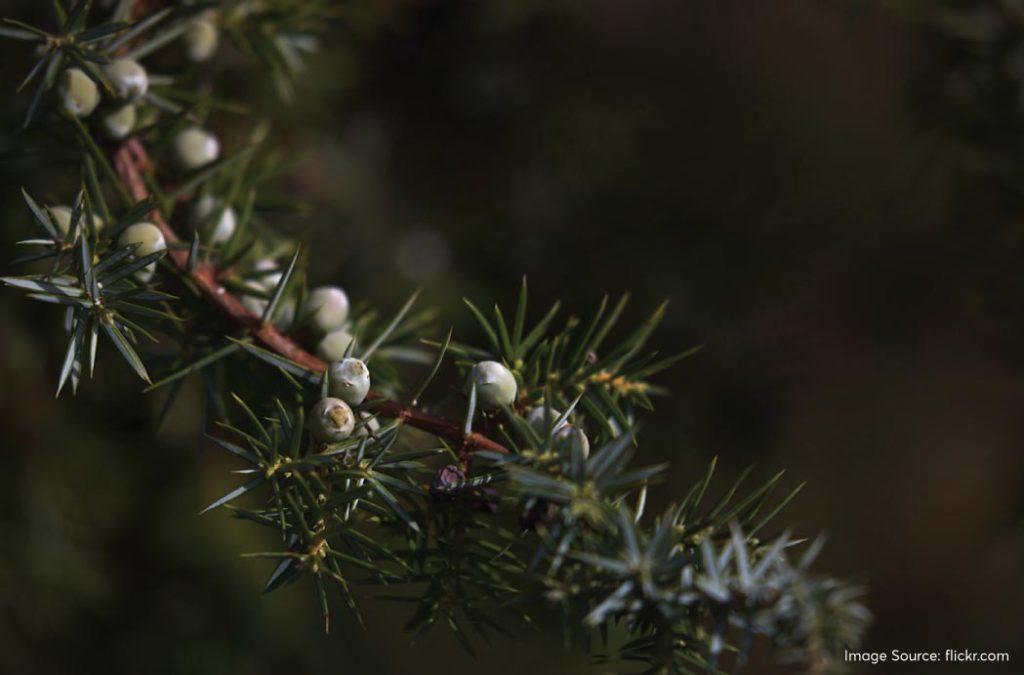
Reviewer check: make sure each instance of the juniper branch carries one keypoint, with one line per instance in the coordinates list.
(326, 473)
(131, 161)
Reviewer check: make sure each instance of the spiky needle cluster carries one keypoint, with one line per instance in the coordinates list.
(532, 494)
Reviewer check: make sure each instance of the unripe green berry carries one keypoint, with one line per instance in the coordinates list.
(195, 147)
(331, 421)
(495, 384)
(201, 39)
(127, 78)
(79, 95)
(62, 219)
(119, 122)
(149, 239)
(326, 308)
(206, 209)
(334, 345)
(350, 380)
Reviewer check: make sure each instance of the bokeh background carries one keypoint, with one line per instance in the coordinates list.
(786, 172)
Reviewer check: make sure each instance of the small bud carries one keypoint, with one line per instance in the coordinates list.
(331, 420)
(195, 147)
(334, 345)
(62, 219)
(79, 95)
(119, 122)
(149, 239)
(445, 480)
(326, 308)
(201, 39)
(206, 209)
(446, 486)
(127, 78)
(350, 380)
(495, 384)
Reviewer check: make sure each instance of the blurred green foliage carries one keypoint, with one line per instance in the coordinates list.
(766, 166)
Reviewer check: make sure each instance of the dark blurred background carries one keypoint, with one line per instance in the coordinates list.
(776, 169)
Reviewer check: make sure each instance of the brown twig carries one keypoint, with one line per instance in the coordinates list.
(131, 162)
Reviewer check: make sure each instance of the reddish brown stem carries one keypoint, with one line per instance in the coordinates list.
(131, 162)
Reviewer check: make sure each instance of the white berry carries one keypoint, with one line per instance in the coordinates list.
(119, 122)
(79, 95)
(266, 275)
(571, 439)
(334, 345)
(127, 78)
(350, 380)
(149, 239)
(544, 422)
(206, 210)
(201, 39)
(195, 147)
(331, 420)
(326, 308)
(495, 385)
(62, 219)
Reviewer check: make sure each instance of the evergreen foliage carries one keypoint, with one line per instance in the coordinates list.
(466, 507)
